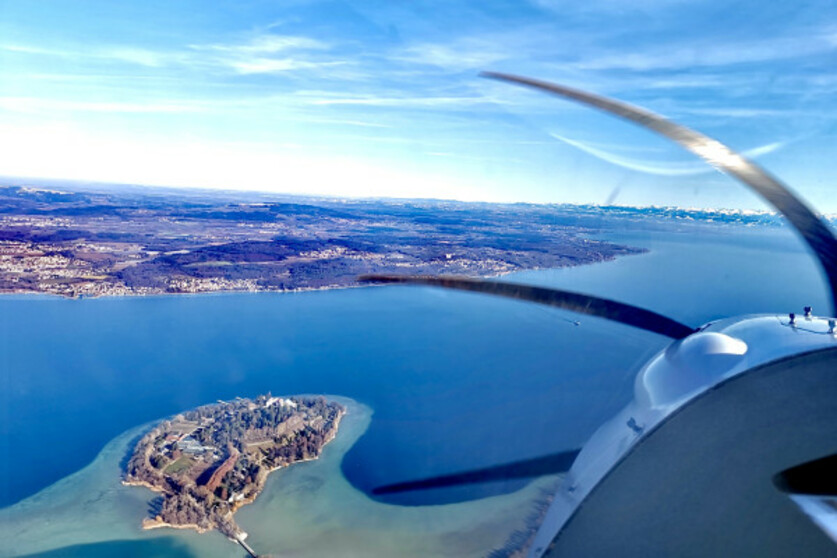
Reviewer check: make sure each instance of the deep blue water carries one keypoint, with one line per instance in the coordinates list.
(456, 380)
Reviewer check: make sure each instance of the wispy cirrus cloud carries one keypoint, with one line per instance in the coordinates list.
(37, 104)
(268, 54)
(261, 54)
(743, 112)
(140, 56)
(668, 62)
(262, 65)
(134, 55)
(688, 81)
(402, 102)
(346, 122)
(518, 45)
(26, 49)
(265, 44)
(404, 76)
(611, 6)
(460, 55)
(714, 53)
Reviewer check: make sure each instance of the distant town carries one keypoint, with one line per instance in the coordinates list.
(75, 243)
(208, 462)
(109, 241)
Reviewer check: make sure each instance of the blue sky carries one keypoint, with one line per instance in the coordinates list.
(383, 98)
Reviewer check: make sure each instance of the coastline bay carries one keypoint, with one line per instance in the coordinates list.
(300, 510)
(451, 378)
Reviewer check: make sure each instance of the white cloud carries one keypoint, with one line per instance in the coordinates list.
(401, 102)
(741, 112)
(606, 6)
(252, 56)
(27, 49)
(37, 104)
(267, 44)
(267, 54)
(140, 56)
(345, 122)
(674, 56)
(260, 65)
(120, 53)
(461, 55)
(688, 82)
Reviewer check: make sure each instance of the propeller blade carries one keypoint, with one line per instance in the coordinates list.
(576, 302)
(527, 468)
(815, 478)
(813, 229)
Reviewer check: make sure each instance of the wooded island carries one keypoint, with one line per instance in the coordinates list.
(210, 461)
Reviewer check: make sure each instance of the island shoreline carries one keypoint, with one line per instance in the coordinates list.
(201, 484)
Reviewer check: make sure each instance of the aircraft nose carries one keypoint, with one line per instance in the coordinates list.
(697, 362)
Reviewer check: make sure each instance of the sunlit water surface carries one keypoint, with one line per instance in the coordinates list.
(438, 381)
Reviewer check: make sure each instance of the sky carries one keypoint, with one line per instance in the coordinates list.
(384, 99)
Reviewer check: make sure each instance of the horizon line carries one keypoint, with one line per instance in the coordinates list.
(41, 182)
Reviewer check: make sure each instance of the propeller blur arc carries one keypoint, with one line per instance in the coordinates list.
(526, 468)
(812, 228)
(567, 300)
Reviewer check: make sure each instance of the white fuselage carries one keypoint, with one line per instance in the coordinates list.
(686, 369)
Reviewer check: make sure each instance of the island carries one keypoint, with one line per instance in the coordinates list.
(208, 462)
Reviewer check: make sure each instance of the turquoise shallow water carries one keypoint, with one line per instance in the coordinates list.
(454, 380)
(307, 509)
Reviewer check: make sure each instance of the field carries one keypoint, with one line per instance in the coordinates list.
(182, 464)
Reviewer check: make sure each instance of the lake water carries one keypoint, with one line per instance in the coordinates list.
(439, 381)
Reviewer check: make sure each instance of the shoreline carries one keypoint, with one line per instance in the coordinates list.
(634, 251)
(241, 503)
(99, 525)
(165, 294)
(150, 523)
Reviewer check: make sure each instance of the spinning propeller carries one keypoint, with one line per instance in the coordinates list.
(581, 303)
(812, 228)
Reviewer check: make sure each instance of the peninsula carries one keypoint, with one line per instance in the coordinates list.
(208, 462)
(120, 241)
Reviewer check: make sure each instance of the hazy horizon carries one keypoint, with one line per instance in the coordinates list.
(40, 183)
